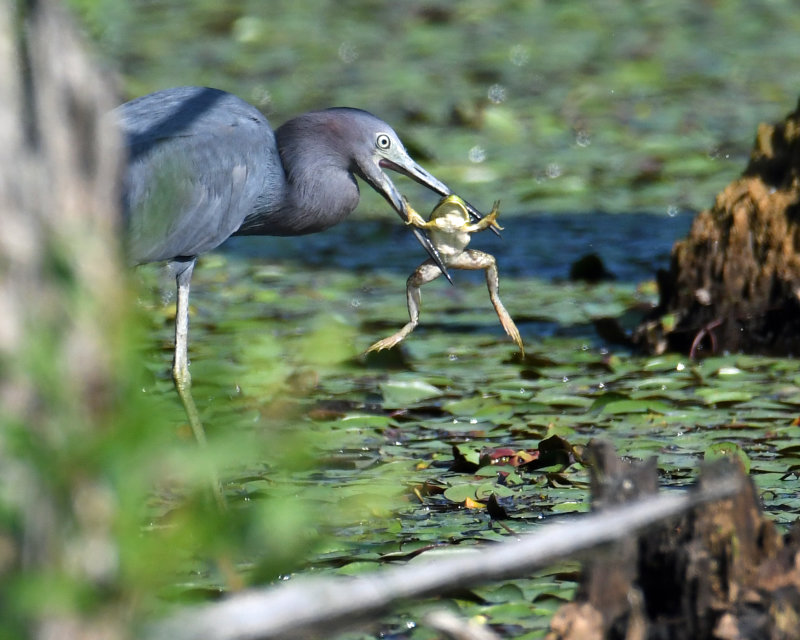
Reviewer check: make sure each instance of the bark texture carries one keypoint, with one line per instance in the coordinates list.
(62, 307)
(720, 572)
(734, 281)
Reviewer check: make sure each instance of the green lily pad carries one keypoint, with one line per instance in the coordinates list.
(723, 396)
(728, 450)
(402, 393)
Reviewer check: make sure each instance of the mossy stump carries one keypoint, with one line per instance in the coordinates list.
(734, 282)
(721, 571)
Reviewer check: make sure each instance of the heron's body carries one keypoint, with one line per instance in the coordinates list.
(204, 165)
(202, 162)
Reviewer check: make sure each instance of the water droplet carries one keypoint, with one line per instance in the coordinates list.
(583, 138)
(602, 385)
(452, 357)
(348, 52)
(410, 624)
(261, 96)
(519, 55)
(680, 366)
(473, 421)
(672, 210)
(477, 154)
(553, 170)
(497, 94)
(355, 303)
(715, 153)
(565, 379)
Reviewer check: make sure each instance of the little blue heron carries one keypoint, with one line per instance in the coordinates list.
(204, 165)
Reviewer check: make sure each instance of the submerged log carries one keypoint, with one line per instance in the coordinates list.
(733, 282)
(721, 571)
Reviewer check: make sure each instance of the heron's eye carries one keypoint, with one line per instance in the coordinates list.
(383, 141)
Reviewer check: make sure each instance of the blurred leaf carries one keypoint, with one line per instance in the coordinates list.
(401, 393)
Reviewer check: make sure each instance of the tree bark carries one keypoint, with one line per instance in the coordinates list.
(734, 281)
(719, 572)
(61, 312)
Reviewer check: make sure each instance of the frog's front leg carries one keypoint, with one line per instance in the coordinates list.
(473, 259)
(428, 271)
(489, 220)
(414, 218)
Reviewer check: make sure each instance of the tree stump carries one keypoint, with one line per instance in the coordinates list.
(720, 572)
(733, 283)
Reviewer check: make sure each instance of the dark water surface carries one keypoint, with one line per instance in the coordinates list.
(539, 245)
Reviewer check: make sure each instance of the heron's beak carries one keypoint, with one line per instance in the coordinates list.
(402, 163)
(379, 181)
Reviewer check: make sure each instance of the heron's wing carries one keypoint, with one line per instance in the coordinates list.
(197, 164)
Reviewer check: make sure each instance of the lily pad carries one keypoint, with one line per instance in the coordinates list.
(728, 450)
(402, 393)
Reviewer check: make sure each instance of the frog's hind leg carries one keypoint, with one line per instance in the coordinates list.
(428, 271)
(473, 259)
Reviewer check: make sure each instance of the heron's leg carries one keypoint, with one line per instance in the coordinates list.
(180, 364)
(428, 271)
(472, 259)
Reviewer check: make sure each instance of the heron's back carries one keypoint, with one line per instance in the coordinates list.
(199, 160)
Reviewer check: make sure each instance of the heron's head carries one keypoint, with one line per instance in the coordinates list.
(364, 145)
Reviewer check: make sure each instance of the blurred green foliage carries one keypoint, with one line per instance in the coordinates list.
(584, 105)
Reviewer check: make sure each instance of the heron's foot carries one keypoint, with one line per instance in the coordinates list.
(391, 341)
(183, 385)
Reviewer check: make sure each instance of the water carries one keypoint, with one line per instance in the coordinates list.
(539, 245)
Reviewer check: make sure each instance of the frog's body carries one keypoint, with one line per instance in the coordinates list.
(449, 228)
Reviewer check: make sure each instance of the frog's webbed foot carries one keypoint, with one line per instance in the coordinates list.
(489, 220)
(424, 273)
(508, 324)
(413, 217)
(391, 341)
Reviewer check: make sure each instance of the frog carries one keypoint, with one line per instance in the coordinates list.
(449, 228)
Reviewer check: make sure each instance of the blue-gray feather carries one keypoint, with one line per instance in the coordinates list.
(204, 165)
(200, 160)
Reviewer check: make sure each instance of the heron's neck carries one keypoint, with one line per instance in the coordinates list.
(317, 192)
(320, 192)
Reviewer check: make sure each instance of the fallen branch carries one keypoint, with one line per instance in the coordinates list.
(321, 607)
